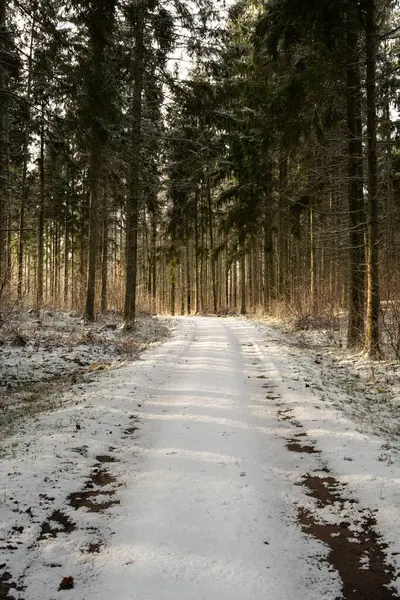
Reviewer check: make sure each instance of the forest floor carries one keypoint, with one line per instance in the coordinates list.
(236, 461)
(42, 357)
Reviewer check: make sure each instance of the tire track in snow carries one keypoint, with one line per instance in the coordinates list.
(356, 550)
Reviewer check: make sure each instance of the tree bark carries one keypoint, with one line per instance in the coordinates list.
(188, 279)
(172, 267)
(242, 269)
(196, 253)
(373, 293)
(93, 235)
(101, 21)
(268, 284)
(133, 201)
(104, 258)
(41, 222)
(313, 296)
(355, 331)
(67, 248)
(212, 257)
(4, 275)
(24, 191)
(282, 283)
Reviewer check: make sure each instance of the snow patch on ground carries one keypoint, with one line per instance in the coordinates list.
(366, 391)
(42, 537)
(42, 357)
(359, 439)
(172, 477)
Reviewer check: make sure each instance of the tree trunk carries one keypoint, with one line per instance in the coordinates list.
(268, 284)
(67, 247)
(57, 264)
(188, 279)
(173, 285)
(356, 199)
(213, 261)
(104, 258)
(182, 281)
(4, 275)
(196, 252)
(228, 275)
(312, 260)
(24, 191)
(41, 223)
(93, 235)
(153, 269)
(282, 283)
(68, 266)
(133, 200)
(242, 274)
(101, 19)
(203, 272)
(83, 255)
(235, 283)
(373, 295)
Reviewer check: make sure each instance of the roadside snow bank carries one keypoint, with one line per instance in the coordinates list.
(368, 392)
(338, 400)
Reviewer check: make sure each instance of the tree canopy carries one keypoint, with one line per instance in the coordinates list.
(195, 157)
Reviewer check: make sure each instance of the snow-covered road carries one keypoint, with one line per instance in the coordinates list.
(211, 510)
(226, 479)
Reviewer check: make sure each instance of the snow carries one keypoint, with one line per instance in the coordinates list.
(204, 495)
(366, 391)
(59, 341)
(41, 356)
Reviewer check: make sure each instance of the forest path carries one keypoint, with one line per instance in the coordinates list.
(203, 473)
(211, 511)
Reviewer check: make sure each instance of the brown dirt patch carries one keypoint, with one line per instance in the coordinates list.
(295, 446)
(323, 489)
(94, 499)
(91, 501)
(100, 478)
(7, 585)
(67, 583)
(285, 414)
(359, 555)
(93, 548)
(105, 458)
(62, 524)
(130, 430)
